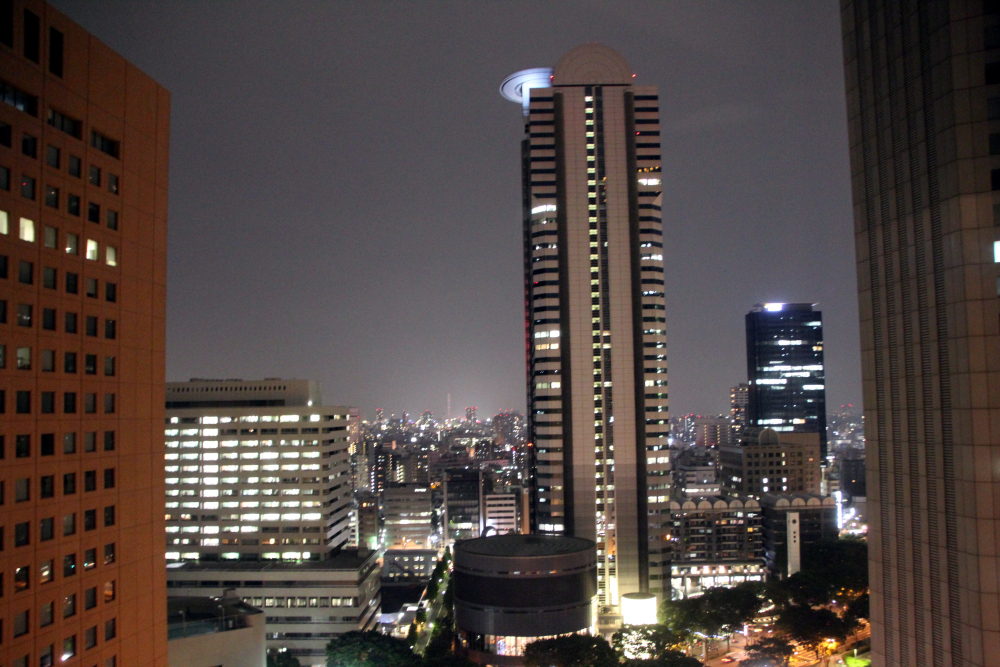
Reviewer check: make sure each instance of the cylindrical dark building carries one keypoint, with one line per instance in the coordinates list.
(511, 590)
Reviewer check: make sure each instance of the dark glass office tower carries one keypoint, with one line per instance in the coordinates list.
(785, 369)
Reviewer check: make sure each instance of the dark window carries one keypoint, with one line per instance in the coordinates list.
(109, 629)
(95, 175)
(22, 490)
(69, 565)
(69, 403)
(90, 598)
(49, 319)
(93, 212)
(71, 318)
(22, 534)
(27, 187)
(109, 404)
(49, 277)
(52, 157)
(91, 325)
(109, 441)
(72, 283)
(90, 364)
(69, 443)
(109, 366)
(112, 184)
(992, 73)
(22, 446)
(75, 166)
(51, 196)
(24, 315)
(69, 605)
(109, 516)
(23, 402)
(90, 441)
(109, 478)
(90, 480)
(4, 178)
(90, 559)
(112, 217)
(90, 520)
(69, 483)
(47, 529)
(89, 403)
(47, 444)
(48, 361)
(32, 36)
(18, 99)
(7, 22)
(109, 329)
(4, 261)
(25, 272)
(90, 634)
(73, 205)
(69, 362)
(995, 179)
(111, 292)
(993, 108)
(109, 553)
(21, 624)
(103, 144)
(48, 402)
(51, 237)
(3, 311)
(69, 525)
(5, 131)
(47, 486)
(67, 124)
(29, 145)
(91, 287)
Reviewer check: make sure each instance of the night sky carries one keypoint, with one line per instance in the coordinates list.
(345, 186)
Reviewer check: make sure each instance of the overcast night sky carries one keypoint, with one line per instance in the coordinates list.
(345, 186)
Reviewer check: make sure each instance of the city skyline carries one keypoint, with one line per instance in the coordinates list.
(748, 183)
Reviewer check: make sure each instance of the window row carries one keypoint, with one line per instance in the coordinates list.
(22, 402)
(47, 444)
(71, 320)
(47, 531)
(47, 487)
(47, 656)
(91, 248)
(48, 361)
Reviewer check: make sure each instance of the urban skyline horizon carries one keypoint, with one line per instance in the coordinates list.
(748, 183)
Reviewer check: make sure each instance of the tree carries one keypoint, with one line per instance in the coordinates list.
(668, 659)
(369, 649)
(570, 651)
(411, 635)
(644, 642)
(680, 616)
(767, 652)
(449, 659)
(282, 659)
(811, 627)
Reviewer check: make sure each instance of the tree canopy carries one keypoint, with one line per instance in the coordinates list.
(718, 610)
(644, 642)
(369, 649)
(767, 652)
(570, 651)
(811, 627)
(282, 659)
(668, 659)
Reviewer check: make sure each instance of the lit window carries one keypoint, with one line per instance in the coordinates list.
(112, 256)
(27, 230)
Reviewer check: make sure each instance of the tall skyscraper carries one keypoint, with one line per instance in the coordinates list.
(739, 398)
(594, 310)
(256, 471)
(787, 389)
(924, 122)
(84, 140)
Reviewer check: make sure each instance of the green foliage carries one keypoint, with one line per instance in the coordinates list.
(442, 639)
(858, 609)
(767, 652)
(421, 616)
(369, 649)
(448, 659)
(653, 640)
(411, 635)
(830, 568)
(717, 611)
(282, 660)
(570, 651)
(668, 659)
(810, 627)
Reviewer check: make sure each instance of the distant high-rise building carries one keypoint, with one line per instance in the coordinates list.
(786, 389)
(83, 255)
(739, 398)
(500, 512)
(462, 504)
(379, 416)
(924, 122)
(595, 313)
(258, 468)
(766, 461)
(407, 511)
(470, 414)
(712, 431)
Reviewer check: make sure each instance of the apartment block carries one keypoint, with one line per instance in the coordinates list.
(84, 146)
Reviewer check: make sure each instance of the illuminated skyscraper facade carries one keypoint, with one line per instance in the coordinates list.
(594, 312)
(787, 385)
(84, 145)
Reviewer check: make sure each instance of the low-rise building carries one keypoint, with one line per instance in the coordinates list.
(407, 511)
(790, 523)
(501, 512)
(717, 541)
(208, 631)
(770, 462)
(305, 604)
(402, 565)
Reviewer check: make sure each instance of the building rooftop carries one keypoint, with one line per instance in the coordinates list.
(524, 546)
(347, 559)
(202, 615)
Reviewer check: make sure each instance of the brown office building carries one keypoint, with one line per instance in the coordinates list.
(923, 102)
(83, 215)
